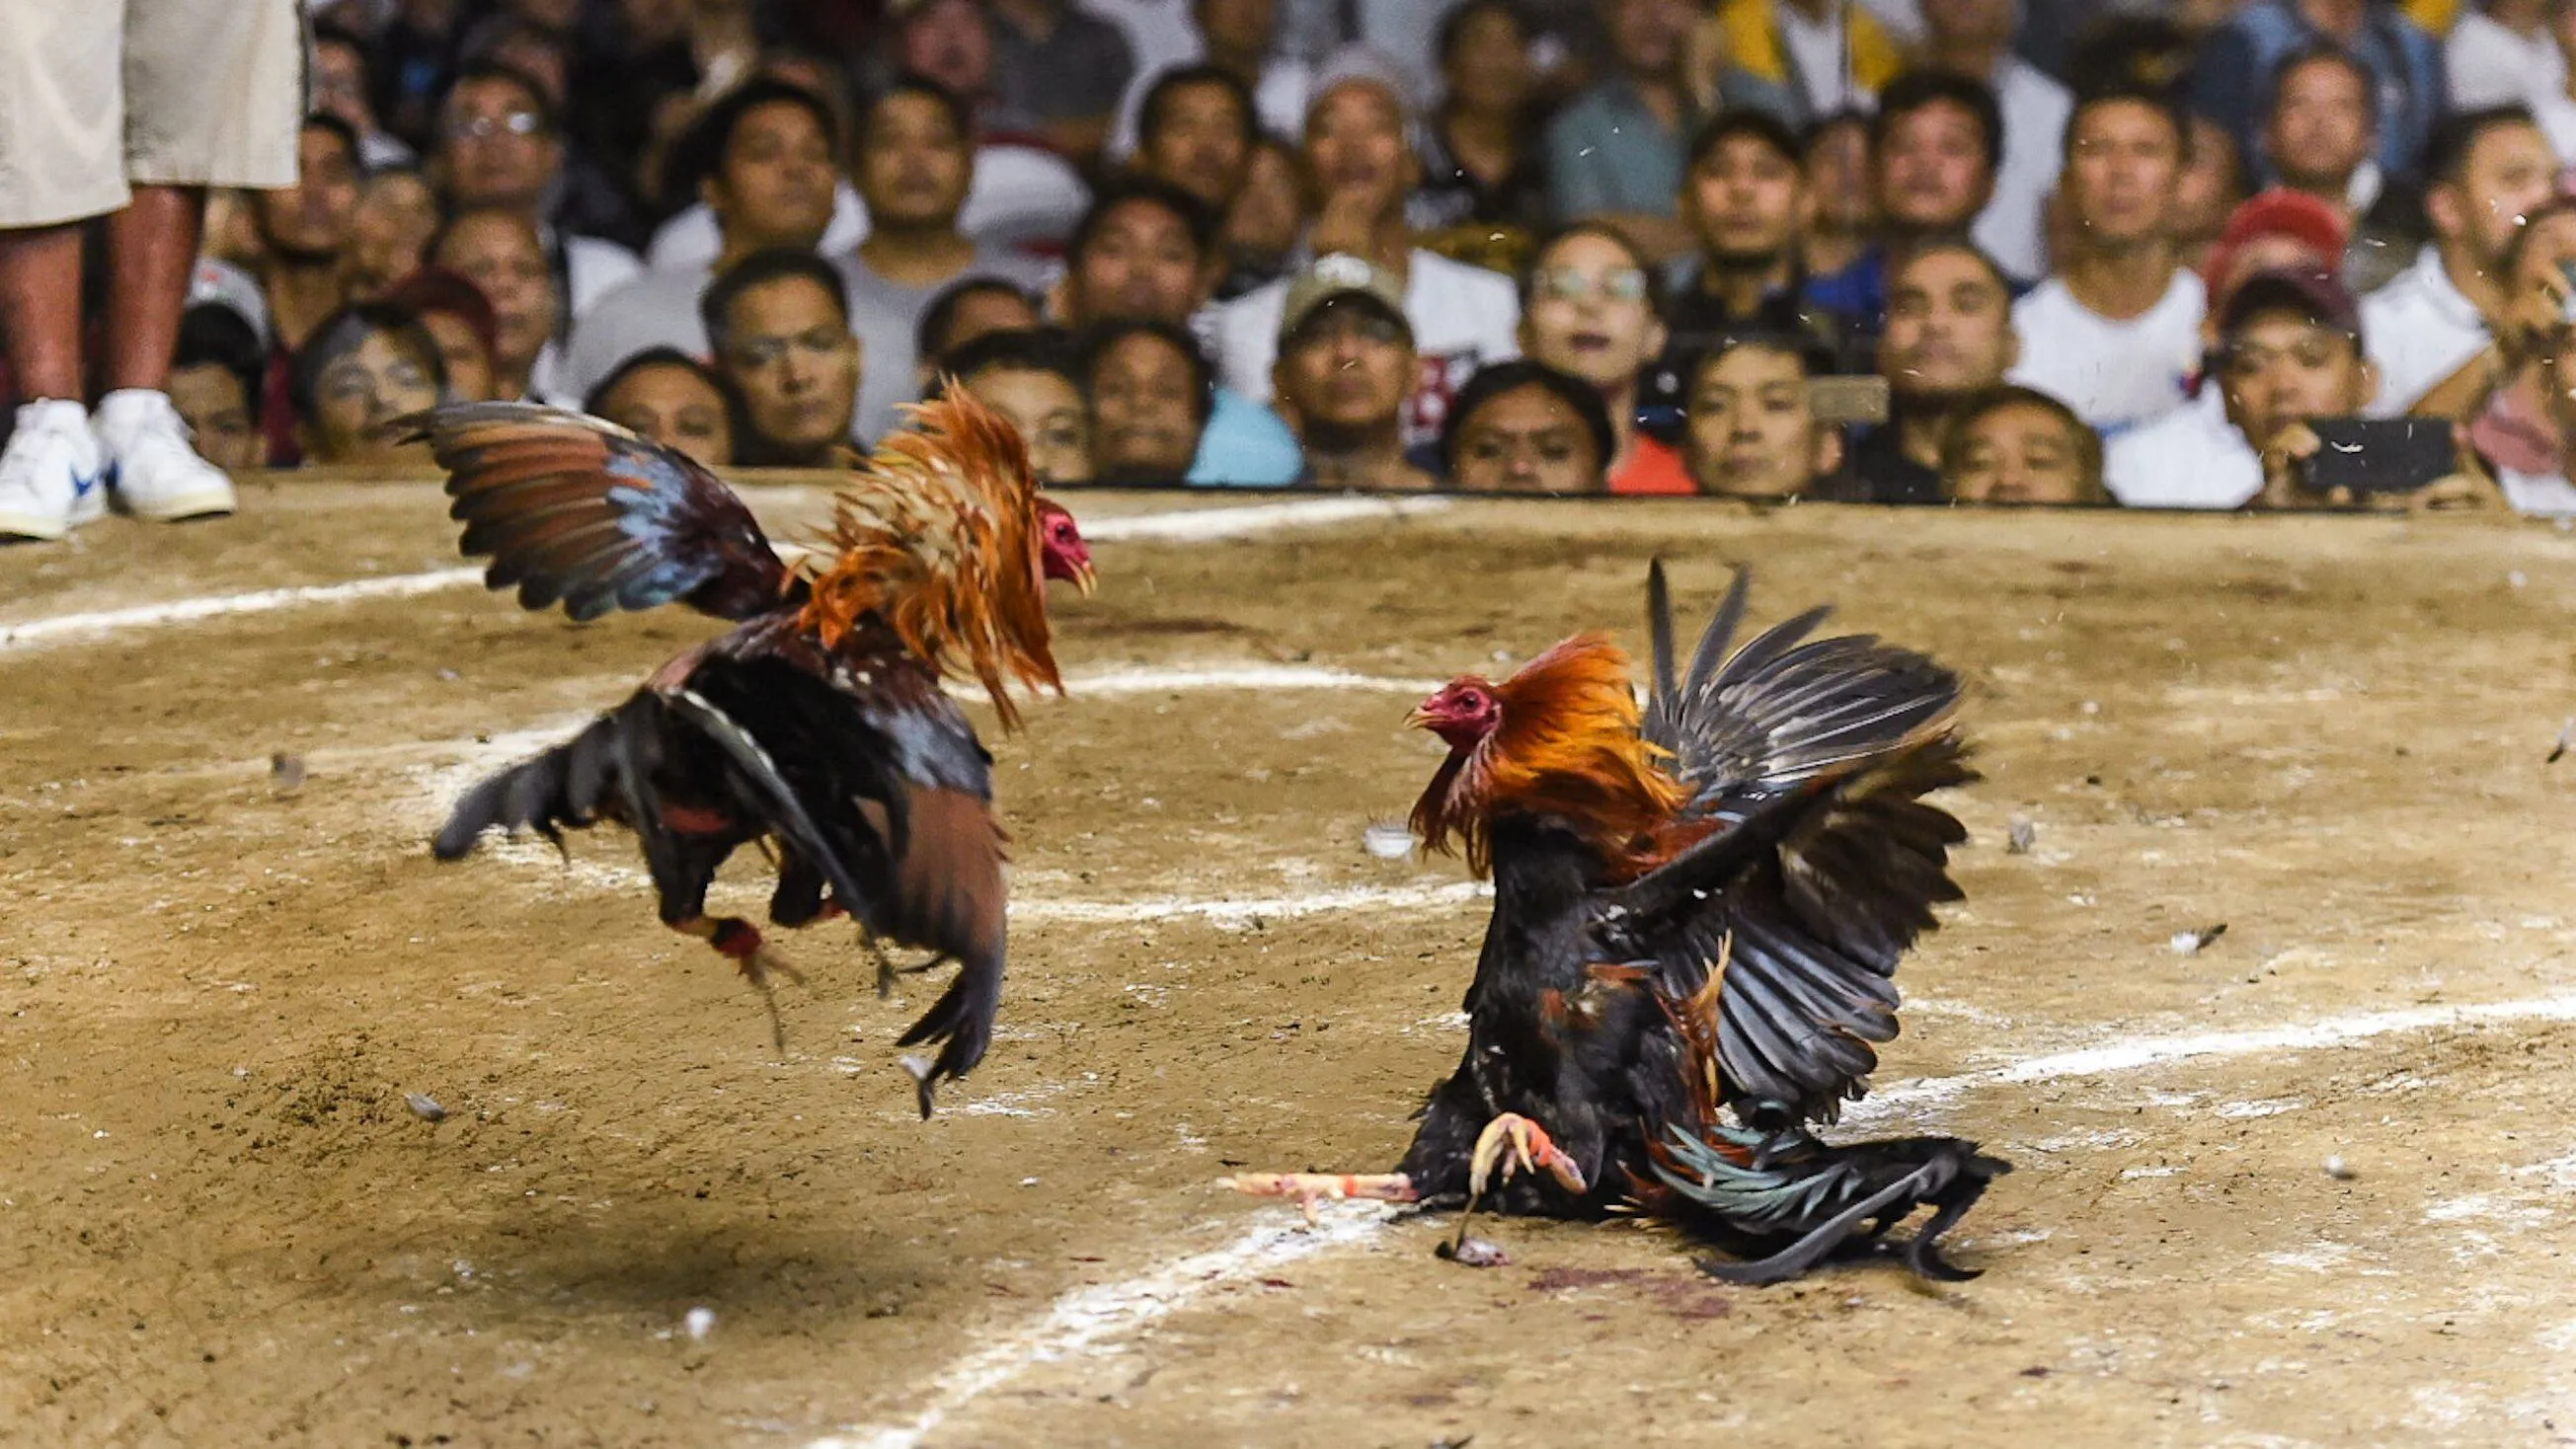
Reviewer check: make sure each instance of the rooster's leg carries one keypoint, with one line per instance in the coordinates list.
(1513, 1143)
(1310, 1188)
(740, 940)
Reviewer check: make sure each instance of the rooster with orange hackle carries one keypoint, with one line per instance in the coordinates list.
(817, 727)
(1697, 912)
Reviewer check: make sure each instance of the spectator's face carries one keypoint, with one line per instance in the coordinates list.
(2020, 453)
(1488, 71)
(461, 353)
(1647, 35)
(1838, 179)
(2120, 175)
(1200, 142)
(313, 220)
(1144, 409)
(2506, 176)
(500, 255)
(775, 186)
(790, 350)
(1355, 145)
(1270, 210)
(340, 85)
(1238, 27)
(2209, 187)
(981, 314)
(948, 42)
(216, 408)
(1934, 175)
(496, 148)
(1747, 201)
(1753, 432)
(395, 218)
(1588, 313)
(357, 396)
(1949, 327)
(1527, 440)
(1141, 265)
(1973, 22)
(2281, 368)
(673, 406)
(2319, 131)
(1348, 371)
(914, 164)
(1047, 409)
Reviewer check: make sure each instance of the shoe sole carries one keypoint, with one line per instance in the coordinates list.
(34, 525)
(174, 510)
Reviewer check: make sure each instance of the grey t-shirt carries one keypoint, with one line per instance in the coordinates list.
(887, 316)
(657, 309)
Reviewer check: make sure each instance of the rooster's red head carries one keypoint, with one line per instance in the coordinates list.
(1062, 555)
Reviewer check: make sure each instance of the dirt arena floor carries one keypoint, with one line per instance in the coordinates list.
(221, 1224)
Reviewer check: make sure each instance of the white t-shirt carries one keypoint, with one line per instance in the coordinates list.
(2114, 374)
(1463, 317)
(1019, 195)
(2192, 457)
(2418, 330)
(2489, 65)
(595, 268)
(2036, 109)
(2549, 497)
(2557, 117)
(1817, 55)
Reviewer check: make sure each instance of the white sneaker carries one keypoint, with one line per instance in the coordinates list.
(156, 474)
(52, 478)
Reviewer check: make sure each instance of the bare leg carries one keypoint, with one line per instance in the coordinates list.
(40, 283)
(1310, 1188)
(151, 250)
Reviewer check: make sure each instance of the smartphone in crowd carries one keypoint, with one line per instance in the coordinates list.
(2380, 455)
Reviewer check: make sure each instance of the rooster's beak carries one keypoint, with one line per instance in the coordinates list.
(1421, 719)
(1085, 578)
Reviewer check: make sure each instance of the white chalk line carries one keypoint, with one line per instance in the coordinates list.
(1195, 525)
(1100, 1319)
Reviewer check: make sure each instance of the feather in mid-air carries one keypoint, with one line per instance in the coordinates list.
(1697, 913)
(818, 725)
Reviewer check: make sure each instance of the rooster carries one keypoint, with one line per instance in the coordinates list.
(817, 726)
(1696, 907)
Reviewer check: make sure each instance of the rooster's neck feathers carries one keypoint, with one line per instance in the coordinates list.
(937, 536)
(1568, 748)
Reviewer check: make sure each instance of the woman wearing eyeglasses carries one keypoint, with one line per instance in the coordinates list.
(1588, 308)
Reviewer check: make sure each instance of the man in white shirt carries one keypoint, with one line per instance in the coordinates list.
(1975, 38)
(2503, 55)
(2116, 333)
(2489, 170)
(1461, 316)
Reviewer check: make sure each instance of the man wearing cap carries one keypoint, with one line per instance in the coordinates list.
(1346, 363)
(1358, 148)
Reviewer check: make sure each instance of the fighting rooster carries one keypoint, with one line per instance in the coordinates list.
(817, 725)
(1694, 909)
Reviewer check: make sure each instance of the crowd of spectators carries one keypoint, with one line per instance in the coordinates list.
(1893, 251)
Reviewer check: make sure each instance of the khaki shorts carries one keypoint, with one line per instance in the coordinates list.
(96, 95)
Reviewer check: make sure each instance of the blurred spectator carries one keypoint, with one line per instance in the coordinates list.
(1152, 389)
(498, 251)
(1034, 379)
(2116, 333)
(1974, 38)
(1588, 311)
(396, 218)
(2017, 445)
(915, 156)
(2279, 229)
(458, 317)
(2545, 487)
(1934, 146)
(665, 396)
(767, 168)
(1524, 427)
(1483, 173)
(1269, 215)
(364, 366)
(1753, 428)
(1834, 153)
(964, 311)
(2500, 390)
(1805, 59)
(306, 229)
(2489, 170)
(1239, 37)
(1197, 133)
(2555, 108)
(1020, 193)
(498, 147)
(1746, 200)
(779, 325)
(1460, 316)
(338, 78)
(1148, 252)
(1949, 340)
(414, 61)
(1615, 152)
(215, 384)
(2213, 181)
(2231, 81)
(2318, 139)
(1058, 73)
(1346, 362)
(2501, 53)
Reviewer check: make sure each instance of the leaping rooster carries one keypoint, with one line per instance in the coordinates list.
(817, 725)
(1696, 915)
